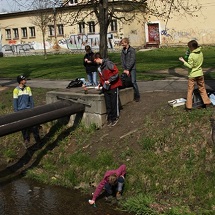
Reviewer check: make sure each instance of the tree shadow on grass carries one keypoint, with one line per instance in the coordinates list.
(26, 162)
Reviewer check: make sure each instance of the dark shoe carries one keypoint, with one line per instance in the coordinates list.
(137, 99)
(114, 122)
(109, 123)
(188, 109)
(208, 105)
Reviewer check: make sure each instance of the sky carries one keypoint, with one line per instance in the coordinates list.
(17, 5)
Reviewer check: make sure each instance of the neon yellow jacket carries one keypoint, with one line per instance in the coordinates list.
(194, 63)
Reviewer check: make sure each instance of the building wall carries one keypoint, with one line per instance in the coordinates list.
(180, 28)
(71, 39)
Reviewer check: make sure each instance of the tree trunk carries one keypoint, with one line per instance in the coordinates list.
(103, 22)
(44, 44)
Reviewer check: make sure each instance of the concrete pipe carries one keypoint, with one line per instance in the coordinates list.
(23, 119)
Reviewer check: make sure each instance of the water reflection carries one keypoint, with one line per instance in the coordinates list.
(23, 197)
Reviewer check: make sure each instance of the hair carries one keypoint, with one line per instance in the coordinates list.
(126, 40)
(112, 179)
(193, 44)
(97, 55)
(87, 48)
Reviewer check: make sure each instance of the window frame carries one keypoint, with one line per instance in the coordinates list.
(24, 32)
(8, 33)
(113, 25)
(91, 25)
(32, 32)
(81, 27)
(15, 33)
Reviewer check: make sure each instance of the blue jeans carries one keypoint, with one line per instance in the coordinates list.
(92, 78)
(115, 188)
(135, 86)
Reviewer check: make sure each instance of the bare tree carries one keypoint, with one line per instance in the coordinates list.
(42, 18)
(128, 10)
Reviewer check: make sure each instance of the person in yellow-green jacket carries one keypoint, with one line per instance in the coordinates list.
(22, 100)
(195, 74)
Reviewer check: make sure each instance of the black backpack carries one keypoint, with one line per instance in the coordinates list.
(126, 80)
(75, 83)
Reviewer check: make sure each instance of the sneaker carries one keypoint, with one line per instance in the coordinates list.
(114, 122)
(109, 123)
(137, 99)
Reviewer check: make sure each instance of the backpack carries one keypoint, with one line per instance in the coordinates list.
(75, 83)
(126, 80)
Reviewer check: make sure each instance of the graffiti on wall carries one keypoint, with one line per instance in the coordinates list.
(204, 36)
(73, 42)
(77, 41)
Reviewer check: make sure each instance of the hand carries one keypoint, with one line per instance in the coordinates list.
(107, 82)
(91, 202)
(126, 71)
(182, 59)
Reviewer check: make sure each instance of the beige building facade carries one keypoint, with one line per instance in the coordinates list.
(19, 32)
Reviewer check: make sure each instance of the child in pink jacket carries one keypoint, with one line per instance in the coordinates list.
(113, 179)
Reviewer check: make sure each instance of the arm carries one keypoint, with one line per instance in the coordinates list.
(98, 190)
(15, 100)
(121, 171)
(131, 62)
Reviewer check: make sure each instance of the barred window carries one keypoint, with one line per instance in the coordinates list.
(81, 26)
(15, 33)
(51, 30)
(113, 25)
(60, 29)
(24, 32)
(91, 25)
(8, 33)
(32, 32)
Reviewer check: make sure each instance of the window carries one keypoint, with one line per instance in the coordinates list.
(113, 25)
(73, 2)
(51, 30)
(8, 33)
(81, 26)
(32, 32)
(15, 33)
(24, 32)
(91, 27)
(60, 29)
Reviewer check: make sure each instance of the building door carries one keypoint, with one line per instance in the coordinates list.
(153, 33)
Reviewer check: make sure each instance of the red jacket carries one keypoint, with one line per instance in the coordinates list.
(109, 72)
(120, 171)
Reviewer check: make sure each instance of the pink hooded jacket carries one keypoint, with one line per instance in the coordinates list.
(120, 171)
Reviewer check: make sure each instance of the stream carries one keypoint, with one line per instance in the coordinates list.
(25, 197)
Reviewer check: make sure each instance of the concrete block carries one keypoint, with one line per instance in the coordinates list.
(95, 109)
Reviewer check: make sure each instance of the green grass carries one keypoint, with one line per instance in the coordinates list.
(70, 66)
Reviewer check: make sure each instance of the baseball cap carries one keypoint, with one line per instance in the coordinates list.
(20, 78)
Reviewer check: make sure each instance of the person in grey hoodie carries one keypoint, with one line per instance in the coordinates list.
(128, 60)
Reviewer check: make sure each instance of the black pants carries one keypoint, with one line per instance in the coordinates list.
(26, 133)
(112, 103)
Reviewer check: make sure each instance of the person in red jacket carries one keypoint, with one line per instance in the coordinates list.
(110, 83)
(113, 181)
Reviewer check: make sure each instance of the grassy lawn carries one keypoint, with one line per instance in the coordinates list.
(70, 66)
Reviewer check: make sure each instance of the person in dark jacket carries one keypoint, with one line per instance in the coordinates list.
(22, 100)
(110, 83)
(91, 66)
(128, 60)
